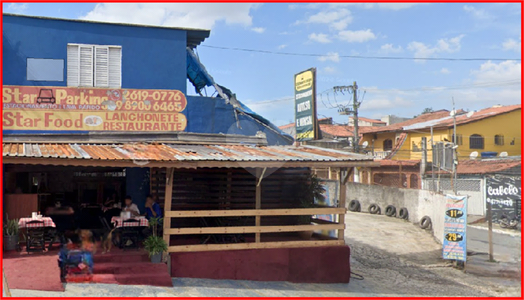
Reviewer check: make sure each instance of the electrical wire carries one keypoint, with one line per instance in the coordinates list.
(360, 56)
(376, 90)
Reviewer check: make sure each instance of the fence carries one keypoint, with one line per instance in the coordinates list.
(472, 187)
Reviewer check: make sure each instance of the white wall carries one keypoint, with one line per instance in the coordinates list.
(419, 203)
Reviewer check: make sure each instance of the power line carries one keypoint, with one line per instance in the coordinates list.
(475, 85)
(360, 56)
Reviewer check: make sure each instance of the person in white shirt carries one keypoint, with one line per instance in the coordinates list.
(131, 207)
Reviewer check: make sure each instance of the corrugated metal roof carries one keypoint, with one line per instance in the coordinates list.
(177, 152)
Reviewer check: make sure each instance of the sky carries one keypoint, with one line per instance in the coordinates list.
(402, 87)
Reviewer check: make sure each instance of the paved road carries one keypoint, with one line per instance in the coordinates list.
(506, 248)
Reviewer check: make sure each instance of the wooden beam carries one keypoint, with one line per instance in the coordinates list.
(266, 245)
(183, 164)
(251, 229)
(254, 212)
(258, 201)
(342, 202)
(168, 199)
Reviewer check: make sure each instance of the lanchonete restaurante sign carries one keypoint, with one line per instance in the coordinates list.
(92, 109)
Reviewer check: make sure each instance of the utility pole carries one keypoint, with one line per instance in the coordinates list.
(346, 111)
(454, 180)
(355, 117)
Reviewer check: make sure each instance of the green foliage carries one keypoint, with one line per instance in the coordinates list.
(154, 245)
(154, 223)
(310, 190)
(10, 226)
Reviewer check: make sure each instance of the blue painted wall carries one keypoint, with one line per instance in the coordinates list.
(137, 186)
(213, 115)
(152, 58)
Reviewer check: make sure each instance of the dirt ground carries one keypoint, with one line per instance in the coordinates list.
(403, 259)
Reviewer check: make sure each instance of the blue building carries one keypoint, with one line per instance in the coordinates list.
(95, 111)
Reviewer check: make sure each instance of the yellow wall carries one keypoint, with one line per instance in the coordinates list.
(508, 125)
(379, 142)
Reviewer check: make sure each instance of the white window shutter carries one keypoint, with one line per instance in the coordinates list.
(86, 66)
(73, 65)
(101, 66)
(115, 67)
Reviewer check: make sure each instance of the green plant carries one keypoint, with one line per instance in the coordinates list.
(310, 190)
(10, 226)
(154, 223)
(154, 245)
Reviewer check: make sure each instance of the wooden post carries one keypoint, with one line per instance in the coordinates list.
(167, 203)
(258, 200)
(490, 232)
(342, 179)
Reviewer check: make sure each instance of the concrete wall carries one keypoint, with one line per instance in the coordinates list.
(419, 203)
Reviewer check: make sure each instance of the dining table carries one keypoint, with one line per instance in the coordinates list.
(25, 222)
(119, 222)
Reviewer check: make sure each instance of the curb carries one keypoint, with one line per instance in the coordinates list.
(497, 230)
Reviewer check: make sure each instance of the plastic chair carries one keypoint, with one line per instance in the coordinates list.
(35, 238)
(130, 233)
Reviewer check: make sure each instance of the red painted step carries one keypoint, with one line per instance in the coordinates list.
(104, 278)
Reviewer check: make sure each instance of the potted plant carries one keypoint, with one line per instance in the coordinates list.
(10, 234)
(154, 244)
(310, 191)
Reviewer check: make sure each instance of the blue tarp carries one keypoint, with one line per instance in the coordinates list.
(196, 72)
(200, 78)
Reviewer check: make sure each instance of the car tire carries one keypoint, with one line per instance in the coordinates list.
(425, 222)
(403, 213)
(374, 209)
(390, 211)
(354, 205)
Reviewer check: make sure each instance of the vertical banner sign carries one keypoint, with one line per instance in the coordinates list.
(330, 199)
(504, 194)
(455, 224)
(305, 105)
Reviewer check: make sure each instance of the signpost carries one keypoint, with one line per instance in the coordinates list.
(455, 225)
(305, 105)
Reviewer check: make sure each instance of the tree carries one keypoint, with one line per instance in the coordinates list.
(426, 110)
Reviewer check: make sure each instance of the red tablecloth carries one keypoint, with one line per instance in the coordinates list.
(118, 221)
(48, 222)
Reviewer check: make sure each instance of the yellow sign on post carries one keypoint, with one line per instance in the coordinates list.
(28, 108)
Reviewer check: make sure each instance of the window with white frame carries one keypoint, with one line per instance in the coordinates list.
(94, 66)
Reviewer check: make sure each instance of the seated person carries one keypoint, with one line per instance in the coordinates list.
(111, 202)
(131, 207)
(152, 208)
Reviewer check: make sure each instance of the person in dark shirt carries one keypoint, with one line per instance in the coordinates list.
(152, 208)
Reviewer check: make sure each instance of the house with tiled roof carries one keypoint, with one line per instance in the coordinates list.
(493, 131)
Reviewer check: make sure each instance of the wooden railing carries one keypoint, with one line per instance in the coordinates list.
(322, 225)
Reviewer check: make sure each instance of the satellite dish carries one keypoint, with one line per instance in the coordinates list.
(469, 114)
(452, 113)
(473, 155)
(503, 154)
(365, 144)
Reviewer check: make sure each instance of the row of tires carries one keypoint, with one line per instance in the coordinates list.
(391, 211)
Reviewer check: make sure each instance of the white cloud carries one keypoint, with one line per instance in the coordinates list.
(389, 48)
(17, 7)
(319, 38)
(384, 103)
(258, 29)
(331, 56)
(336, 19)
(492, 72)
(422, 50)
(477, 13)
(193, 15)
(329, 70)
(511, 44)
(282, 46)
(445, 71)
(385, 6)
(358, 36)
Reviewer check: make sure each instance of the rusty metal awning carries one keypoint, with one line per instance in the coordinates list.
(178, 155)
